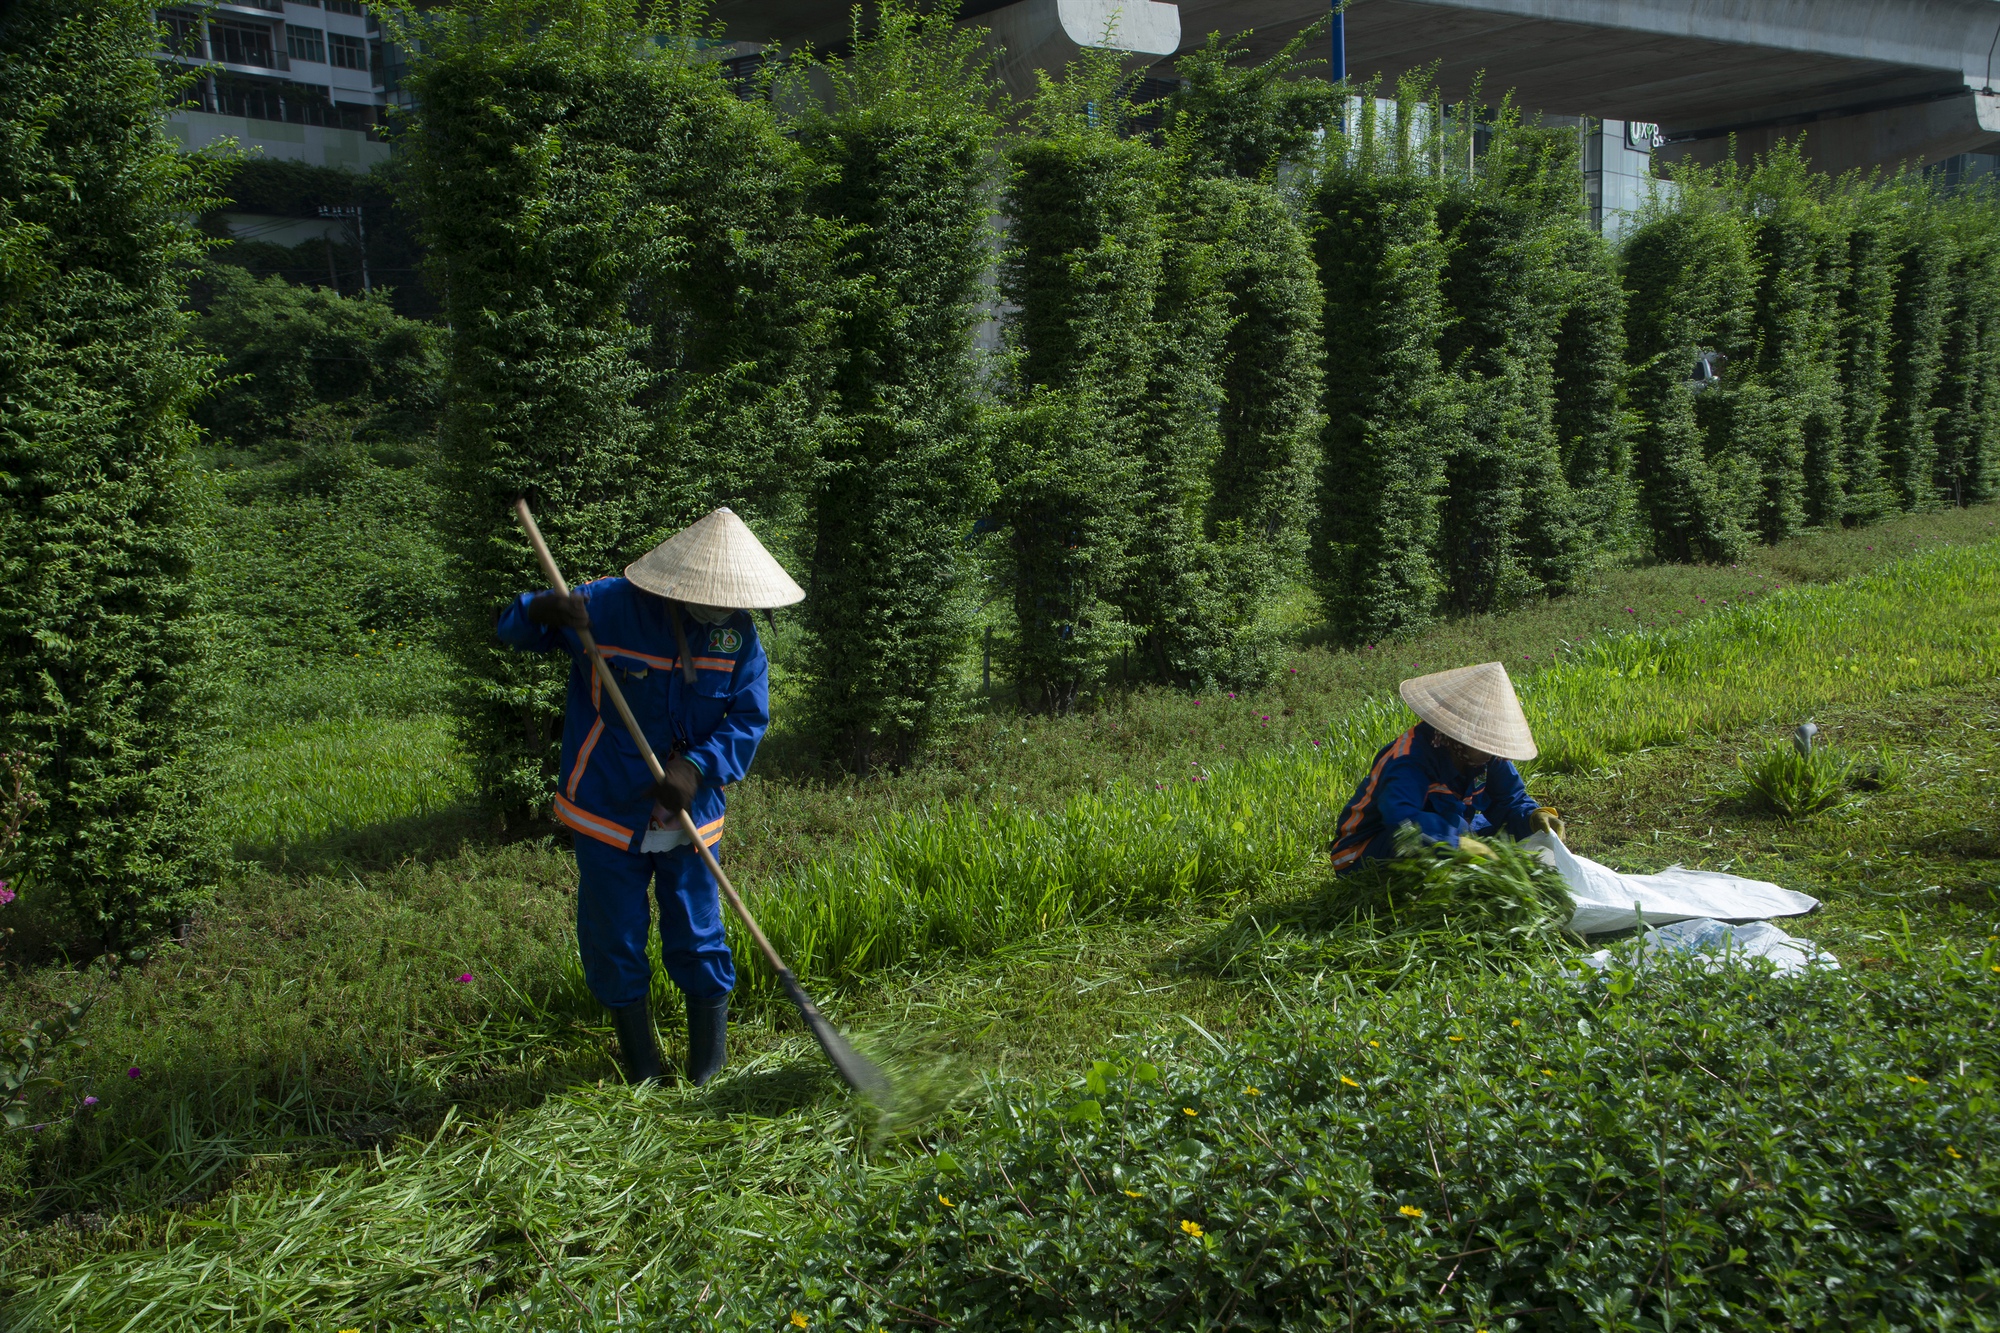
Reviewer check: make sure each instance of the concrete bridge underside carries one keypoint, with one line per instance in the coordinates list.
(1867, 82)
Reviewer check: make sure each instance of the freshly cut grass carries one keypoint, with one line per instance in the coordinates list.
(960, 881)
(297, 782)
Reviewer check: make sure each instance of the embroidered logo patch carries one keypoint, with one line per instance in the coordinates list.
(722, 639)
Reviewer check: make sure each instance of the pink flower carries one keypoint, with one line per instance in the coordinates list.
(6, 894)
(133, 1072)
(1315, 745)
(90, 1101)
(464, 977)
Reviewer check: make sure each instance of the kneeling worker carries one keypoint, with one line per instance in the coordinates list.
(1452, 775)
(676, 634)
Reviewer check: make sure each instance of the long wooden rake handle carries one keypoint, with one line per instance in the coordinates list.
(858, 1072)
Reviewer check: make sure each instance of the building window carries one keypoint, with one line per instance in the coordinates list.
(180, 34)
(343, 6)
(305, 43)
(346, 52)
(295, 103)
(242, 44)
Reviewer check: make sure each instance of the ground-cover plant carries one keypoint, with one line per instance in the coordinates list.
(1794, 782)
(1720, 1150)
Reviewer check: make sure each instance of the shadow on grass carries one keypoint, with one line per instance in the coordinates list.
(423, 838)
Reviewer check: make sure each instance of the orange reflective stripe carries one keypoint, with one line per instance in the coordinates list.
(1394, 750)
(584, 822)
(715, 663)
(612, 650)
(583, 755)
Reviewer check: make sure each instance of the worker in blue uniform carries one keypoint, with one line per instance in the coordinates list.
(1451, 776)
(676, 633)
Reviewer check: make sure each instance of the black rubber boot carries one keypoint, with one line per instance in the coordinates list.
(636, 1042)
(708, 1035)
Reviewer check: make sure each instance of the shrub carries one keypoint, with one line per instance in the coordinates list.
(551, 158)
(101, 635)
(905, 162)
(1917, 321)
(1967, 468)
(1389, 408)
(287, 349)
(1795, 783)
(1867, 307)
(1082, 271)
(1592, 426)
(1690, 273)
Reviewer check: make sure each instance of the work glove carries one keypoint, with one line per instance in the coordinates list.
(1545, 820)
(676, 789)
(1468, 843)
(563, 610)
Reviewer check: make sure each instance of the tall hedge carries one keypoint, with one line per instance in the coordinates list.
(1917, 325)
(1512, 526)
(1867, 348)
(1239, 356)
(538, 148)
(1387, 400)
(1690, 274)
(905, 159)
(1592, 426)
(1081, 272)
(101, 633)
(1967, 467)
(1800, 230)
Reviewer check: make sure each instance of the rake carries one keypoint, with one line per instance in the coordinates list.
(858, 1072)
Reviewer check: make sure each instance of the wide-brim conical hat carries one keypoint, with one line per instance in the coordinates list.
(716, 561)
(1474, 705)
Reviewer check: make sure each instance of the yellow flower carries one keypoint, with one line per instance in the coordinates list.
(1408, 1211)
(1251, 1090)
(1376, 1044)
(1454, 1039)
(1548, 1071)
(1192, 1228)
(1348, 1081)
(946, 1202)
(1517, 1023)
(1921, 1082)
(1952, 1153)
(1188, 1110)
(798, 1320)
(1134, 1194)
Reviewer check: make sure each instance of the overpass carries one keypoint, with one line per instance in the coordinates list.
(1867, 82)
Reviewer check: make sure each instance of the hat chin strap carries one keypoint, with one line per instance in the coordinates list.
(709, 615)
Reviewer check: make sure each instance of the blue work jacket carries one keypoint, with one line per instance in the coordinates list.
(1413, 781)
(605, 790)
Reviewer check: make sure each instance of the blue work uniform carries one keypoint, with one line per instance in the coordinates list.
(605, 791)
(1413, 781)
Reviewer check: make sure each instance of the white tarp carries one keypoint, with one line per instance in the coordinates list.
(1723, 942)
(1605, 899)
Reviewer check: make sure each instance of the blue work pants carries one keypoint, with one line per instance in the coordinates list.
(612, 913)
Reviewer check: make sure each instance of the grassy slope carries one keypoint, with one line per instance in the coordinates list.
(349, 984)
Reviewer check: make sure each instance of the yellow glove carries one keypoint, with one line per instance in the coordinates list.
(1467, 843)
(1545, 820)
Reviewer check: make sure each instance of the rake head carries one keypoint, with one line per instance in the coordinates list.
(859, 1073)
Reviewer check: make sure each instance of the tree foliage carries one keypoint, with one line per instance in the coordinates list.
(101, 636)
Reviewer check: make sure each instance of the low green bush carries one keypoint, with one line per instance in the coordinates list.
(1674, 1150)
(1794, 783)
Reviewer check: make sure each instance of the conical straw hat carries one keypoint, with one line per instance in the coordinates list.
(716, 561)
(1474, 705)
